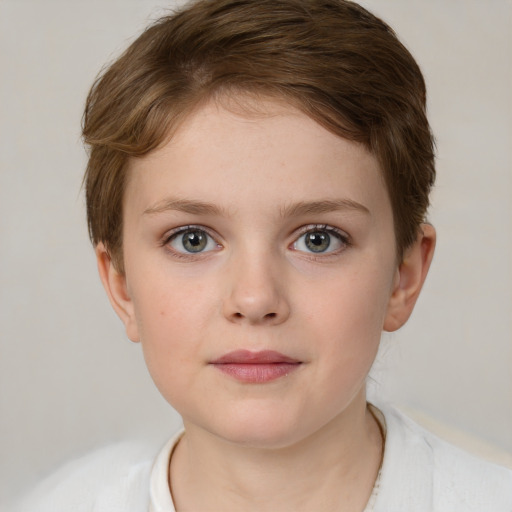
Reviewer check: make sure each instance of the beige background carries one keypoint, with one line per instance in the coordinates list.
(69, 381)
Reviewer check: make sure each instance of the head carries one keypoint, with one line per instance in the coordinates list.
(332, 60)
(258, 179)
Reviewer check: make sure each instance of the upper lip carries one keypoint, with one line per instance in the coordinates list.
(250, 357)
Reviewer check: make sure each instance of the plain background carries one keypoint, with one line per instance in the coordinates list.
(69, 379)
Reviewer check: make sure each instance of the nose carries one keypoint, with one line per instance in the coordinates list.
(256, 292)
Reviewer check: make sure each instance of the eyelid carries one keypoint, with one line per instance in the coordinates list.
(323, 227)
(169, 235)
(343, 238)
(168, 238)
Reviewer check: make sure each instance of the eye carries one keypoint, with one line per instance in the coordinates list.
(192, 240)
(320, 240)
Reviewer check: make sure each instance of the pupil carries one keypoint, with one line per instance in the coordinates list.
(318, 241)
(194, 241)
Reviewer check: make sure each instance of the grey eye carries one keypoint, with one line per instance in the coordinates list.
(317, 241)
(192, 241)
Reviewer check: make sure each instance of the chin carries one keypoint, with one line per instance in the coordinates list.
(265, 430)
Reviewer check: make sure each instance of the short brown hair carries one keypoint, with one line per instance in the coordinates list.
(335, 61)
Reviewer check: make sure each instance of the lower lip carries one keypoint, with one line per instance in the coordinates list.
(257, 373)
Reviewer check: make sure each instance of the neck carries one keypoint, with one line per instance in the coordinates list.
(332, 470)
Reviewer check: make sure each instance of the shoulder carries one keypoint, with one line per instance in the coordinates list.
(111, 479)
(439, 475)
(464, 481)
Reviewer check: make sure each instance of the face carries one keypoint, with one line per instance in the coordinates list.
(260, 270)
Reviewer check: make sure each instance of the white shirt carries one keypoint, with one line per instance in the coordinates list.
(420, 473)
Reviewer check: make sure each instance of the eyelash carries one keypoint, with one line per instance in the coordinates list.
(170, 236)
(341, 236)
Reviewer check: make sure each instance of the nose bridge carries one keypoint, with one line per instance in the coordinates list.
(256, 287)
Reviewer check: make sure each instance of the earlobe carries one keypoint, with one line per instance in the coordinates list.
(115, 285)
(410, 277)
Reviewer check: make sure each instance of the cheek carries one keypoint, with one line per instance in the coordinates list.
(171, 314)
(167, 303)
(167, 345)
(357, 301)
(347, 327)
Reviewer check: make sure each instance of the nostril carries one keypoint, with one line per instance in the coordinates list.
(270, 315)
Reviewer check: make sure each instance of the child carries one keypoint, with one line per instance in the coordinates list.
(257, 187)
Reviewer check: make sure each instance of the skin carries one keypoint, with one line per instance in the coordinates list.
(256, 182)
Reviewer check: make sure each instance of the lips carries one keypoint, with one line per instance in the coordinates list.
(256, 367)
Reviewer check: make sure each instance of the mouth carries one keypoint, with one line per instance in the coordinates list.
(256, 367)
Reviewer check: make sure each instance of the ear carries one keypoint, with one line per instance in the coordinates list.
(410, 277)
(115, 285)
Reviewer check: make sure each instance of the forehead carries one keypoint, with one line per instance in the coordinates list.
(234, 149)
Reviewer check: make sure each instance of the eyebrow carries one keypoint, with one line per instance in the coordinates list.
(291, 210)
(185, 206)
(323, 206)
